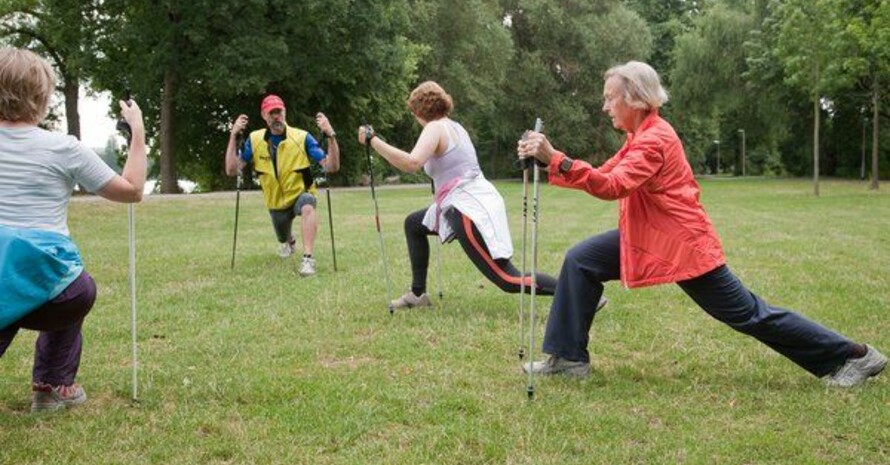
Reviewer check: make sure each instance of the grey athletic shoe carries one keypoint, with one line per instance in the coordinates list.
(47, 398)
(409, 300)
(307, 267)
(856, 370)
(558, 366)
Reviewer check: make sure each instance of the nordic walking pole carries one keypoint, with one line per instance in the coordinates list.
(524, 253)
(124, 128)
(438, 246)
(131, 216)
(368, 135)
(238, 141)
(530, 389)
(327, 193)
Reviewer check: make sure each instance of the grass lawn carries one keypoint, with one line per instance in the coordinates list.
(260, 366)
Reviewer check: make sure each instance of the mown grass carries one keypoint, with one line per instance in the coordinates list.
(259, 366)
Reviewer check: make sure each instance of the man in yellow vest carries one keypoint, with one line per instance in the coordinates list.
(281, 156)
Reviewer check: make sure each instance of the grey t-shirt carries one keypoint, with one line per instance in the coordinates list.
(38, 171)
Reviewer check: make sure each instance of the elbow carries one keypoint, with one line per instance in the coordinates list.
(413, 167)
(134, 197)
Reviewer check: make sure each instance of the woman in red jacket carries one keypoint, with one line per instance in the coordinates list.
(665, 236)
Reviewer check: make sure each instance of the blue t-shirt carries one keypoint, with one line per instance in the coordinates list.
(312, 148)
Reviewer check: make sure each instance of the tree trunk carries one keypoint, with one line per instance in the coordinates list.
(875, 101)
(169, 184)
(72, 116)
(816, 146)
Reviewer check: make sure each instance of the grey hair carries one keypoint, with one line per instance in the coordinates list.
(640, 85)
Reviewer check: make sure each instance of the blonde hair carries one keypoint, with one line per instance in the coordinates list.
(26, 84)
(640, 86)
(430, 101)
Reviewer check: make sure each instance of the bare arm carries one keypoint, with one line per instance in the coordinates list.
(331, 162)
(233, 163)
(129, 185)
(432, 141)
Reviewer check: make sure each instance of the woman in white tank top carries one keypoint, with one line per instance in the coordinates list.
(467, 206)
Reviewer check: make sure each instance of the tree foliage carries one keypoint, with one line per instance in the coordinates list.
(773, 69)
(62, 31)
(563, 49)
(341, 57)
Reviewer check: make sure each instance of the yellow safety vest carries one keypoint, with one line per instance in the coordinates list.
(285, 180)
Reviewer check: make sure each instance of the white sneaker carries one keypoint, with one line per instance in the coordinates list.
(307, 268)
(856, 370)
(285, 249)
(409, 300)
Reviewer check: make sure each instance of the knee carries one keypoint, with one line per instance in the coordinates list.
(510, 288)
(578, 262)
(87, 297)
(574, 254)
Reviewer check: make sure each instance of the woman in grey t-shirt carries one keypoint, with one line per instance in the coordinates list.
(43, 285)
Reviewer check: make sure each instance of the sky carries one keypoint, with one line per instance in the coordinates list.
(96, 127)
(95, 124)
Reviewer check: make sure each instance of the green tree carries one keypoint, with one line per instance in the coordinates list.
(807, 46)
(563, 49)
(195, 66)
(711, 98)
(866, 57)
(469, 50)
(61, 30)
(667, 20)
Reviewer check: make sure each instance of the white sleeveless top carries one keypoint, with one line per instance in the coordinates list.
(458, 170)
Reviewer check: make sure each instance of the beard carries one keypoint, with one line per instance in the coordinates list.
(277, 127)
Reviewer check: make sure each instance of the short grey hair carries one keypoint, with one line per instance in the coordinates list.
(640, 85)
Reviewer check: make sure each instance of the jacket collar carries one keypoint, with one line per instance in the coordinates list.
(268, 132)
(647, 123)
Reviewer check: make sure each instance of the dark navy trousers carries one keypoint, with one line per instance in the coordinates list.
(595, 260)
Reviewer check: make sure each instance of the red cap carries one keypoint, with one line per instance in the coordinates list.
(271, 102)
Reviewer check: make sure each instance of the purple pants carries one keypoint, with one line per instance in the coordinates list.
(57, 351)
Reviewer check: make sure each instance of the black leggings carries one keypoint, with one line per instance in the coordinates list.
(499, 271)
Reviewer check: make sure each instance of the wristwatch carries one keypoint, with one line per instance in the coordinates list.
(565, 165)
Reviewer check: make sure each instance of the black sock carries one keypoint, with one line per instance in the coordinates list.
(417, 291)
(307, 255)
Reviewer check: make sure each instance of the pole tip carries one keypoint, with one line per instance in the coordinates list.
(531, 392)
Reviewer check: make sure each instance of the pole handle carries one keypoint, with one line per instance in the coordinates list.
(122, 125)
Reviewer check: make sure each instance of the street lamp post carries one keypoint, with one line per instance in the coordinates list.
(717, 141)
(744, 161)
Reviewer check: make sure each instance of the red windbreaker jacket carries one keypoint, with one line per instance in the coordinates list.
(666, 236)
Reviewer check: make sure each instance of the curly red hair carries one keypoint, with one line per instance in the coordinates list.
(430, 102)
